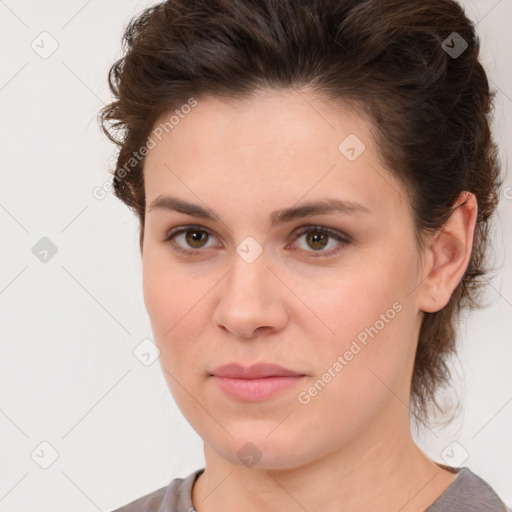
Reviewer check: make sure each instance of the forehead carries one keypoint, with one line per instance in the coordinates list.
(302, 120)
(276, 147)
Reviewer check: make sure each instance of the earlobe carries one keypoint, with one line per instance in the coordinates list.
(450, 254)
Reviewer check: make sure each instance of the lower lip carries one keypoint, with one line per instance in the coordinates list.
(253, 390)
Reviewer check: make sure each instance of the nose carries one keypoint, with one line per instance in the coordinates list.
(252, 300)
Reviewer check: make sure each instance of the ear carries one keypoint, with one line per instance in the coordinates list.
(448, 255)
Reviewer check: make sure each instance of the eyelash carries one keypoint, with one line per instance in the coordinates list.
(344, 240)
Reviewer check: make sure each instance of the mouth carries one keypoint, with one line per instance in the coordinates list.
(255, 390)
(255, 383)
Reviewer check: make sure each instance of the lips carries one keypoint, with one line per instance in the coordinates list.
(256, 371)
(255, 383)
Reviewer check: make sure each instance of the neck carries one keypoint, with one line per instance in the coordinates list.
(381, 469)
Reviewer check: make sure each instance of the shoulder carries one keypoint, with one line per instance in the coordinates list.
(468, 493)
(175, 497)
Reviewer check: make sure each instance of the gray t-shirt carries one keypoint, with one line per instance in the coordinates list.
(467, 493)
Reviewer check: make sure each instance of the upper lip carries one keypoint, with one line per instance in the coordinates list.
(256, 371)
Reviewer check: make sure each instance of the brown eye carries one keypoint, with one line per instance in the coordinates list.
(196, 238)
(317, 240)
(189, 239)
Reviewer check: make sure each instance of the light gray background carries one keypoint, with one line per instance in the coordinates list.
(69, 326)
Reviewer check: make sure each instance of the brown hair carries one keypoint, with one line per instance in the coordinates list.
(430, 109)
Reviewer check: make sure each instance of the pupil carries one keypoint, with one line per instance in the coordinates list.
(195, 237)
(318, 237)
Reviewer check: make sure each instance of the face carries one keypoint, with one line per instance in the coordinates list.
(329, 294)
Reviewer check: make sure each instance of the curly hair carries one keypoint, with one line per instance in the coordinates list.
(430, 108)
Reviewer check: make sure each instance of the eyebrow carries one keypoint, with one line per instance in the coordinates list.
(307, 209)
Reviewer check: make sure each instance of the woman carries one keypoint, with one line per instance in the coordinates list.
(314, 182)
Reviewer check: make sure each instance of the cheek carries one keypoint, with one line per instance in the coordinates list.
(167, 298)
(353, 300)
(177, 321)
(373, 328)
(177, 313)
(360, 373)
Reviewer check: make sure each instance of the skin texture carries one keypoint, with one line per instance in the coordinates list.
(350, 446)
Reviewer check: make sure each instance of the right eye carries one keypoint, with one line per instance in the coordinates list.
(194, 238)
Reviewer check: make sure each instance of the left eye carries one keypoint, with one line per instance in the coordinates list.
(317, 239)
